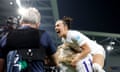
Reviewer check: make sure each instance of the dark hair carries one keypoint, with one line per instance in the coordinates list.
(67, 21)
(12, 20)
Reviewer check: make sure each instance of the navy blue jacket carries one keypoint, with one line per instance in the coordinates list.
(37, 66)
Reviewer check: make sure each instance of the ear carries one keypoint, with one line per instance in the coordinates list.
(38, 25)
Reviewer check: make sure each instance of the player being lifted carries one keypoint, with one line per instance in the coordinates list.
(77, 50)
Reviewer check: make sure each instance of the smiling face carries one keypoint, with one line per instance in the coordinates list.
(61, 28)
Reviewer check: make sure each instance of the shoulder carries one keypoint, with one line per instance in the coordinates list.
(44, 36)
(74, 33)
(42, 30)
(43, 33)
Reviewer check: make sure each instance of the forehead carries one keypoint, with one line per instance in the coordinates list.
(59, 22)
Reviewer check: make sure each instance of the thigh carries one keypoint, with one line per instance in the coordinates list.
(99, 59)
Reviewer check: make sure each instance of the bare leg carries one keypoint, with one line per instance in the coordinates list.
(99, 59)
(98, 63)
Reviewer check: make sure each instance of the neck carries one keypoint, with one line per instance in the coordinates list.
(30, 25)
(65, 34)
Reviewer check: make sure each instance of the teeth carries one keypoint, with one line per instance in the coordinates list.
(57, 31)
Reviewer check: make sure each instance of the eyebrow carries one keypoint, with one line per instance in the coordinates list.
(57, 25)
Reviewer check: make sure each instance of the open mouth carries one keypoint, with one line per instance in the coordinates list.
(57, 31)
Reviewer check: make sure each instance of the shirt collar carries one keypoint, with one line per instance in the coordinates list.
(24, 27)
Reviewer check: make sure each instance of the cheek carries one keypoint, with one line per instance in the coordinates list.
(62, 31)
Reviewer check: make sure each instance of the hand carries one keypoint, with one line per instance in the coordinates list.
(75, 60)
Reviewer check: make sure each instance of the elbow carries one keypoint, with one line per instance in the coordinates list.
(86, 48)
(86, 51)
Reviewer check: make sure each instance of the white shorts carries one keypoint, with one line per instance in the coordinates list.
(98, 50)
(85, 65)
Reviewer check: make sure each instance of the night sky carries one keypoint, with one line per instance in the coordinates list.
(92, 15)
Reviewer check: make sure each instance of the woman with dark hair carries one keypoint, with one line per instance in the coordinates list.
(86, 55)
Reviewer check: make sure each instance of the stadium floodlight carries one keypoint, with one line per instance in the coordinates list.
(109, 48)
(19, 3)
(21, 10)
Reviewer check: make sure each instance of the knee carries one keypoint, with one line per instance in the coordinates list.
(97, 68)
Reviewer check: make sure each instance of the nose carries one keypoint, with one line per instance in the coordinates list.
(55, 27)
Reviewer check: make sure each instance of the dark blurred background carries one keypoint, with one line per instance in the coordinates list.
(93, 15)
(88, 15)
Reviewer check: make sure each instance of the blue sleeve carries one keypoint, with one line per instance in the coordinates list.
(48, 43)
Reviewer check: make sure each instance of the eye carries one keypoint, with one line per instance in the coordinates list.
(58, 25)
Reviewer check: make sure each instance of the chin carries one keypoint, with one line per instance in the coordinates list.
(59, 35)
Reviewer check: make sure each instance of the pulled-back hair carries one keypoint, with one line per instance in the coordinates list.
(67, 21)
